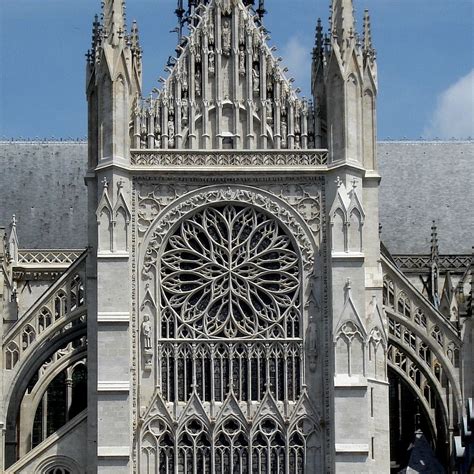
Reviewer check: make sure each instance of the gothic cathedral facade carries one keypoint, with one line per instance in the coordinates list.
(231, 300)
(237, 278)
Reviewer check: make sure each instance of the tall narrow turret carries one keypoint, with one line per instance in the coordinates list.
(113, 87)
(344, 87)
(113, 12)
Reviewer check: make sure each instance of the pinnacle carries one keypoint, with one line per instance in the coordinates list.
(113, 12)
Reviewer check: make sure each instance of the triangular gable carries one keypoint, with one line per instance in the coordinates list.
(104, 202)
(194, 409)
(268, 408)
(232, 408)
(305, 409)
(226, 89)
(376, 319)
(350, 313)
(157, 408)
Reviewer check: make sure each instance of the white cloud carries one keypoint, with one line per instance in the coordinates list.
(297, 57)
(454, 113)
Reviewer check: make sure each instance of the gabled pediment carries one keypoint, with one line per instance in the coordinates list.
(225, 90)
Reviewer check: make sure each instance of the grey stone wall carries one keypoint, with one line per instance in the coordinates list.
(42, 183)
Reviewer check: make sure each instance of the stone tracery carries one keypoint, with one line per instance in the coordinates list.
(229, 334)
(225, 264)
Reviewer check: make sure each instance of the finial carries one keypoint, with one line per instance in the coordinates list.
(13, 222)
(120, 184)
(354, 183)
(434, 241)
(319, 38)
(343, 23)
(105, 183)
(347, 289)
(114, 20)
(338, 182)
(261, 8)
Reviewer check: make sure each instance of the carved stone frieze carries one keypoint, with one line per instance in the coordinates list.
(231, 159)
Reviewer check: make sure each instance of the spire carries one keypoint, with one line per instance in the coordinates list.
(434, 243)
(434, 266)
(342, 20)
(368, 47)
(113, 12)
(318, 50)
(367, 32)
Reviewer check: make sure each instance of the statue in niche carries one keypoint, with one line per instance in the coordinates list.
(256, 78)
(184, 85)
(157, 133)
(297, 121)
(143, 137)
(226, 38)
(269, 107)
(242, 61)
(212, 61)
(284, 132)
(171, 131)
(184, 112)
(211, 31)
(297, 142)
(147, 333)
(197, 80)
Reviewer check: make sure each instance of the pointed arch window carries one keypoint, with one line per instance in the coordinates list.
(420, 318)
(194, 449)
(12, 354)
(232, 448)
(28, 336)
(437, 335)
(60, 305)
(388, 293)
(268, 448)
(403, 305)
(44, 320)
(230, 320)
(229, 327)
(77, 292)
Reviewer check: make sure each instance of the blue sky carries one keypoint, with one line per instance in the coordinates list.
(425, 57)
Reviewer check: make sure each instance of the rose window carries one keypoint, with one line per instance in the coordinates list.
(230, 272)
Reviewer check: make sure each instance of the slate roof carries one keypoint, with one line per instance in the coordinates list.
(422, 182)
(42, 183)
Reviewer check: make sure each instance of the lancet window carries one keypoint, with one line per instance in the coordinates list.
(44, 320)
(388, 293)
(404, 305)
(12, 355)
(60, 305)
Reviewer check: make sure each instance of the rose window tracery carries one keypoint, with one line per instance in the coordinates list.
(230, 272)
(229, 328)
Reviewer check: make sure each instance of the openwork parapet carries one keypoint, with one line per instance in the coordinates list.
(229, 158)
(49, 257)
